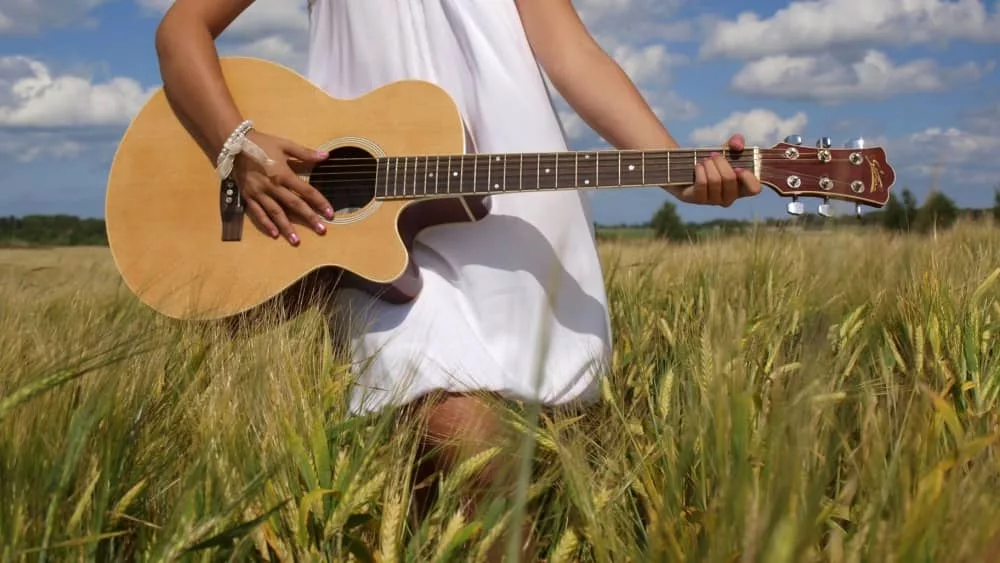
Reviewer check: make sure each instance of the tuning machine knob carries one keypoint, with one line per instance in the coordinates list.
(855, 143)
(794, 139)
(825, 209)
(795, 207)
(824, 143)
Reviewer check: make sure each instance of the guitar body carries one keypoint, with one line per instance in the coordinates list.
(165, 200)
(185, 246)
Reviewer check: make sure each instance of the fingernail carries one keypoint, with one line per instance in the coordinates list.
(738, 170)
(715, 154)
(294, 238)
(320, 227)
(274, 234)
(328, 212)
(322, 154)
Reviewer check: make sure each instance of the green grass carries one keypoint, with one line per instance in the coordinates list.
(806, 396)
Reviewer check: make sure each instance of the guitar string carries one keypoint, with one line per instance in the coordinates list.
(747, 152)
(533, 173)
(611, 168)
(430, 162)
(401, 191)
(358, 172)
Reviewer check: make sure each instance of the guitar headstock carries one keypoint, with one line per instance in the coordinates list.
(855, 173)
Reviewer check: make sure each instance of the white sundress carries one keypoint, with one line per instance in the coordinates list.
(514, 304)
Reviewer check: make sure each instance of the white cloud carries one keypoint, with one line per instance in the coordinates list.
(985, 120)
(760, 127)
(642, 20)
(30, 16)
(650, 68)
(826, 78)
(821, 25)
(966, 157)
(31, 96)
(275, 30)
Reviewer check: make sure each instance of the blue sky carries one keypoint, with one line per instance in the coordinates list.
(918, 77)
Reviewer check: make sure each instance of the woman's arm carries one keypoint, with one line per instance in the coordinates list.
(189, 67)
(197, 92)
(607, 100)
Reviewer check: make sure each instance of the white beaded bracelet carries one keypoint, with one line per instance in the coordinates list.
(237, 143)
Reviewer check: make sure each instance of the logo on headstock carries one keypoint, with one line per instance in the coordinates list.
(877, 174)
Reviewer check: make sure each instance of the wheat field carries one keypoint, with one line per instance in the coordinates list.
(777, 397)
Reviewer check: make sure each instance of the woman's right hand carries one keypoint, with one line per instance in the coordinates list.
(274, 194)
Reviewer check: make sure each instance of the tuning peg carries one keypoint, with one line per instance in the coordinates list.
(855, 143)
(794, 139)
(824, 143)
(857, 210)
(795, 207)
(825, 209)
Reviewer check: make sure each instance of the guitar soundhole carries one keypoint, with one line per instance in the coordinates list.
(346, 179)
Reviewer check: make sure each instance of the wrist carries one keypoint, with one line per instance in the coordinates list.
(234, 144)
(222, 132)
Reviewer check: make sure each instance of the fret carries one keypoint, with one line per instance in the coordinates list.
(587, 177)
(510, 172)
(418, 179)
(427, 162)
(632, 172)
(669, 166)
(406, 163)
(447, 170)
(565, 170)
(395, 178)
(495, 173)
(576, 169)
(455, 174)
(520, 180)
(467, 174)
(607, 169)
(546, 171)
(529, 173)
(497, 169)
(555, 177)
(385, 181)
(489, 173)
(437, 170)
(409, 175)
(377, 166)
(482, 184)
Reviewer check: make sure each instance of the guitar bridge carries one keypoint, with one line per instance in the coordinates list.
(231, 210)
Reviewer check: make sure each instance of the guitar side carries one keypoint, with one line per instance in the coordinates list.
(163, 197)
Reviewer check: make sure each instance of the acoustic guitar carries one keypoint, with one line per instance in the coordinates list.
(184, 245)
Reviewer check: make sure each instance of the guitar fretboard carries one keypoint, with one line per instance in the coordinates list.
(485, 174)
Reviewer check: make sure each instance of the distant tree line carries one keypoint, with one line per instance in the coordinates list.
(52, 230)
(900, 214)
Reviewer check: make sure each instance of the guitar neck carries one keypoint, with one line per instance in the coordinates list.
(408, 177)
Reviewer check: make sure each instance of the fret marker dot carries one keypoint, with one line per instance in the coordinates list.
(586, 157)
(547, 170)
(431, 175)
(455, 174)
(586, 182)
(496, 186)
(498, 159)
(631, 167)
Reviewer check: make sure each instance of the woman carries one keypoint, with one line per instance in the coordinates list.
(513, 305)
